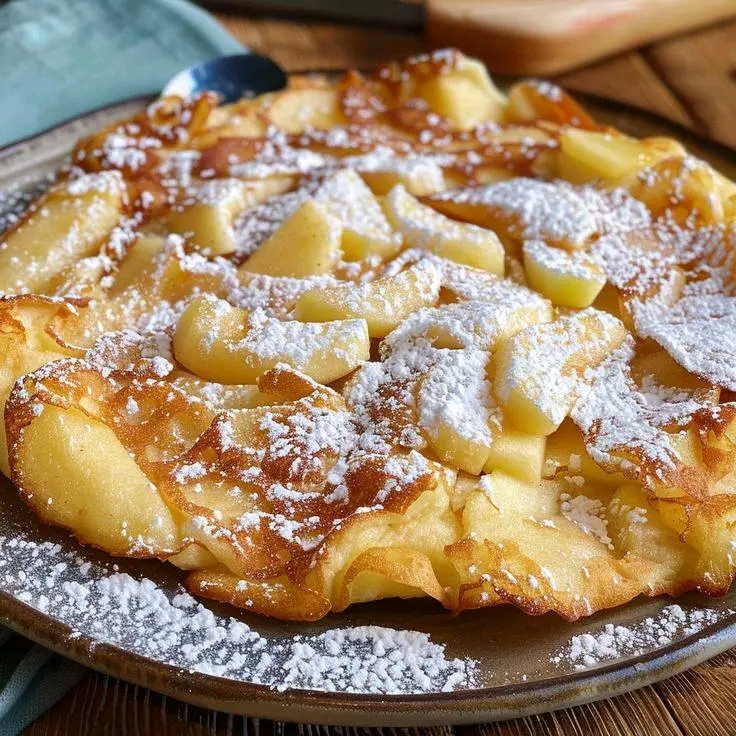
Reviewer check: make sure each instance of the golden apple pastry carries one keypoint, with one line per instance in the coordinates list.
(400, 335)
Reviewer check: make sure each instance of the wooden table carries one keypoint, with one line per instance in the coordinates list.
(691, 80)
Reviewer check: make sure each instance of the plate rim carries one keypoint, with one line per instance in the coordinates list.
(51, 129)
(479, 705)
(463, 707)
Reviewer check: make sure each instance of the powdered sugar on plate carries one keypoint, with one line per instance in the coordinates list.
(16, 198)
(168, 625)
(111, 607)
(615, 642)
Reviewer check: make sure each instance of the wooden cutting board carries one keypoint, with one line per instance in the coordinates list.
(549, 36)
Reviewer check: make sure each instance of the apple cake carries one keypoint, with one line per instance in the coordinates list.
(397, 335)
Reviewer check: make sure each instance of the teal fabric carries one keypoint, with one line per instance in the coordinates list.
(32, 679)
(61, 58)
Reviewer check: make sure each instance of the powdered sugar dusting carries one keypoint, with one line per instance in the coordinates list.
(623, 427)
(578, 264)
(587, 514)
(546, 369)
(546, 211)
(426, 393)
(137, 615)
(457, 394)
(614, 642)
(698, 331)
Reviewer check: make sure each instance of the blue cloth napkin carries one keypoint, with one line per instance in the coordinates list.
(32, 679)
(59, 59)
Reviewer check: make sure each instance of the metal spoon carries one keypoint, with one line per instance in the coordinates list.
(232, 77)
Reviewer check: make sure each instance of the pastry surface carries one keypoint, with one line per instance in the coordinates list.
(398, 335)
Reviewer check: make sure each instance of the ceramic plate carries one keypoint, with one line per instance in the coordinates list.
(390, 663)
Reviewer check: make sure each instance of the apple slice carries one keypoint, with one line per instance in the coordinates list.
(523, 209)
(421, 176)
(365, 229)
(540, 372)
(531, 101)
(567, 279)
(588, 156)
(684, 189)
(219, 342)
(68, 224)
(384, 303)
(464, 93)
(207, 217)
(567, 455)
(306, 244)
(75, 473)
(138, 262)
(423, 227)
(294, 110)
(517, 453)
(474, 323)
(456, 408)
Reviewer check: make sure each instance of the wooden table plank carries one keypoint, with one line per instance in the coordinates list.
(631, 80)
(696, 703)
(307, 45)
(702, 699)
(691, 80)
(643, 713)
(700, 69)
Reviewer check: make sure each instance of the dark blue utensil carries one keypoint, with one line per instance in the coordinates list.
(232, 77)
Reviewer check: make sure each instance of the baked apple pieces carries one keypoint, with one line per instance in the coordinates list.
(399, 335)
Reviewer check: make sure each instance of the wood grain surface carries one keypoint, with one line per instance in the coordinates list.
(690, 80)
